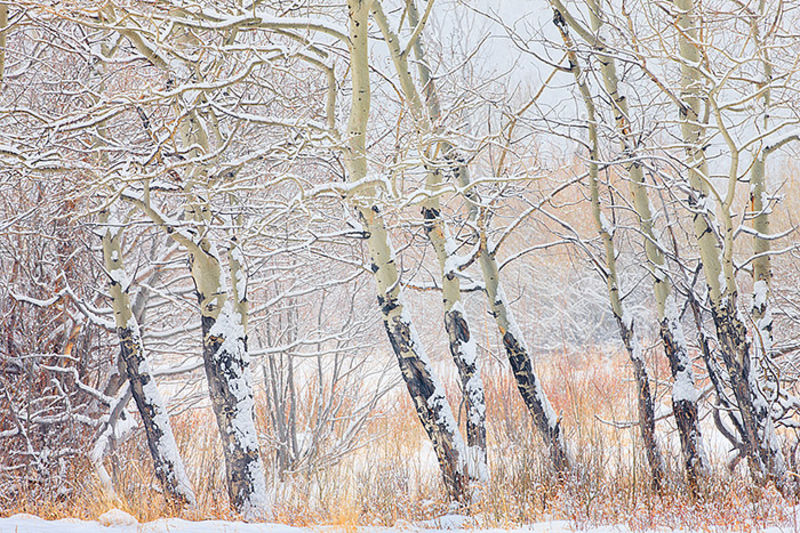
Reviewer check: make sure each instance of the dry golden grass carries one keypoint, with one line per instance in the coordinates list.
(391, 479)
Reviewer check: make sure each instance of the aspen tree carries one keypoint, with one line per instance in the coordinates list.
(424, 388)
(132, 358)
(168, 465)
(223, 312)
(461, 339)
(684, 391)
(626, 323)
(761, 446)
(534, 396)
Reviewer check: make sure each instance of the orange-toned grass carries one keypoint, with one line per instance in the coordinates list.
(393, 479)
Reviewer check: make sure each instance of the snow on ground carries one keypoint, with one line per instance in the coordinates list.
(116, 521)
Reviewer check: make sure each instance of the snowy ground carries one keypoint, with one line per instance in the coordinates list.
(116, 521)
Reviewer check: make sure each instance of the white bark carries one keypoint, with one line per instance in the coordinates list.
(761, 445)
(534, 396)
(169, 467)
(628, 333)
(461, 340)
(684, 391)
(424, 388)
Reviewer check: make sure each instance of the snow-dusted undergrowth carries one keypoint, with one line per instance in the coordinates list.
(116, 521)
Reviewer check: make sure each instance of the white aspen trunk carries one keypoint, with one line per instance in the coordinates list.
(761, 443)
(424, 388)
(763, 380)
(133, 365)
(227, 369)
(462, 344)
(227, 365)
(684, 391)
(534, 396)
(630, 339)
(762, 270)
(167, 462)
(759, 207)
(223, 316)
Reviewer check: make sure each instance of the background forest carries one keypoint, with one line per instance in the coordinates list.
(366, 262)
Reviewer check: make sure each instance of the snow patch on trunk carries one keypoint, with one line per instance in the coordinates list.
(683, 389)
(167, 447)
(229, 328)
(437, 401)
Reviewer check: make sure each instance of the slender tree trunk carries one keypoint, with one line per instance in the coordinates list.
(762, 271)
(424, 388)
(226, 365)
(647, 423)
(759, 206)
(426, 392)
(684, 392)
(761, 444)
(684, 395)
(530, 389)
(225, 359)
(462, 345)
(168, 465)
(534, 396)
(224, 317)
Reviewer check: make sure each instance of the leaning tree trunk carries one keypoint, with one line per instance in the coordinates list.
(760, 440)
(684, 392)
(167, 462)
(224, 316)
(223, 325)
(534, 396)
(647, 422)
(530, 389)
(426, 392)
(461, 342)
(759, 206)
(226, 364)
(225, 358)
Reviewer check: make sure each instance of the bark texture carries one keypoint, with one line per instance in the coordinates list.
(647, 424)
(530, 389)
(426, 392)
(684, 392)
(761, 446)
(226, 365)
(169, 468)
(684, 402)
(534, 396)
(462, 346)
